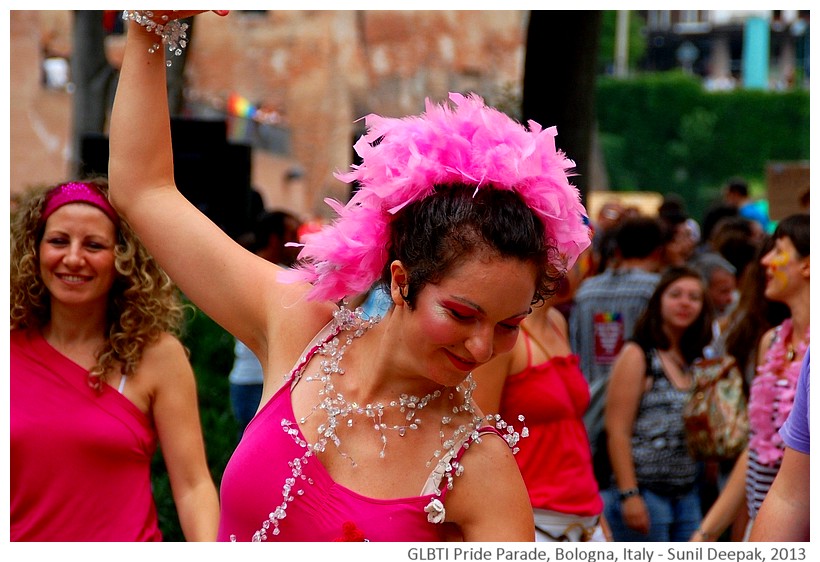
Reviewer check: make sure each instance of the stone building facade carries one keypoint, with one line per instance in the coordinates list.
(316, 72)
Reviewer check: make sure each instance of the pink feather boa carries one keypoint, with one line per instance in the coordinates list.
(775, 384)
(470, 143)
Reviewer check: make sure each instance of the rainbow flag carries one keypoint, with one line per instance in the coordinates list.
(240, 106)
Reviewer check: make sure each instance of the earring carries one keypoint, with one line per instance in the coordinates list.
(404, 291)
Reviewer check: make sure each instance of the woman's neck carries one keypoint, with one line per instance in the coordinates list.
(799, 309)
(391, 368)
(674, 336)
(74, 326)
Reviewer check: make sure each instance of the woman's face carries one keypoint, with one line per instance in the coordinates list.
(682, 246)
(469, 317)
(722, 288)
(785, 270)
(77, 255)
(681, 303)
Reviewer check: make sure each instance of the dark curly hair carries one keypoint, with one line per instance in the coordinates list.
(433, 235)
(142, 305)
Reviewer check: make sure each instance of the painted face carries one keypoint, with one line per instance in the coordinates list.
(77, 255)
(783, 270)
(681, 303)
(722, 289)
(470, 316)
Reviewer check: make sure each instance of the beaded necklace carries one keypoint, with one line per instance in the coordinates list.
(345, 327)
(338, 410)
(351, 324)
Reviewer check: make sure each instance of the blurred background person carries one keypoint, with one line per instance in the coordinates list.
(606, 308)
(603, 241)
(680, 240)
(736, 193)
(772, 392)
(721, 289)
(541, 380)
(737, 240)
(653, 496)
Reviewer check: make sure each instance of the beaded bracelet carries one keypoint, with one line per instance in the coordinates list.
(173, 33)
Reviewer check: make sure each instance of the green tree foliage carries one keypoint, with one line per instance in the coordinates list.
(636, 47)
(664, 132)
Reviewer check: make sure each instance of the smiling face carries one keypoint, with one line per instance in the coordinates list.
(786, 270)
(469, 317)
(77, 255)
(681, 303)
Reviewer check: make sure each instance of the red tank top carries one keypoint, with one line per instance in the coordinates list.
(555, 459)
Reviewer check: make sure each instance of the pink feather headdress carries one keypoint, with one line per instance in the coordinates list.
(404, 159)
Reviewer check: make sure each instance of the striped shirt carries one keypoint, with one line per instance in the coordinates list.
(759, 478)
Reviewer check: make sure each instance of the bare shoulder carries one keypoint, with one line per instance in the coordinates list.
(166, 347)
(631, 351)
(488, 455)
(631, 362)
(489, 490)
(766, 342)
(163, 371)
(164, 359)
(289, 333)
(166, 343)
(767, 339)
(558, 320)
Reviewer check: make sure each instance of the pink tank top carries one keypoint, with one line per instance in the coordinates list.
(273, 489)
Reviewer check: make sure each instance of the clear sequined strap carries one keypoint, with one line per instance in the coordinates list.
(433, 485)
(330, 331)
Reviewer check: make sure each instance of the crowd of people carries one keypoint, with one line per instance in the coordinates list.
(508, 351)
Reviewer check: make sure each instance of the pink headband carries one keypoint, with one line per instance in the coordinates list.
(78, 192)
(402, 161)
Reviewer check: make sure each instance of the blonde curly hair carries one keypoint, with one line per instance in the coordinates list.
(142, 305)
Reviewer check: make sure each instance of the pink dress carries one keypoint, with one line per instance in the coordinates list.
(79, 460)
(274, 489)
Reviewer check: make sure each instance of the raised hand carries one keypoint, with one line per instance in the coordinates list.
(166, 25)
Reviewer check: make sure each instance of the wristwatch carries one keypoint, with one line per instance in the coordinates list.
(625, 494)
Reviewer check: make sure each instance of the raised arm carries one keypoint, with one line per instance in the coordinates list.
(231, 285)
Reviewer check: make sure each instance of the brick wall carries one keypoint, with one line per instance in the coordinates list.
(321, 70)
